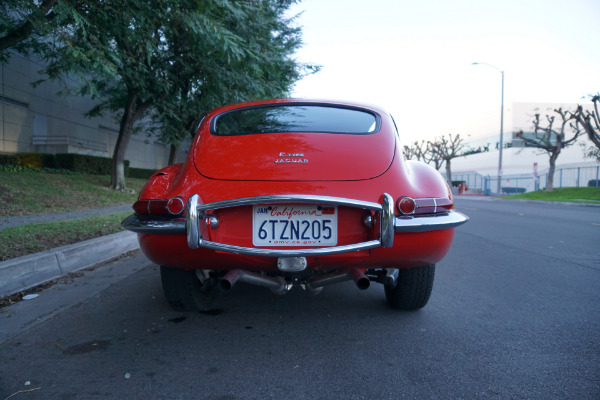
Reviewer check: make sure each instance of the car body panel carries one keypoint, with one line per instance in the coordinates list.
(293, 156)
(364, 175)
(416, 249)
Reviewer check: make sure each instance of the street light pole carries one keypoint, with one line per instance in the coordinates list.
(499, 188)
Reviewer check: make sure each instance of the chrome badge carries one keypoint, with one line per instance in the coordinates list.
(291, 158)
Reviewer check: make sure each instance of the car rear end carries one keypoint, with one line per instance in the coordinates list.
(288, 192)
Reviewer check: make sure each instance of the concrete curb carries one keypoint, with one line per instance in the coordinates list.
(25, 272)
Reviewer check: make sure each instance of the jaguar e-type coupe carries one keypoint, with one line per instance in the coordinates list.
(286, 192)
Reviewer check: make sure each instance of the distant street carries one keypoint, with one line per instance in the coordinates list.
(515, 314)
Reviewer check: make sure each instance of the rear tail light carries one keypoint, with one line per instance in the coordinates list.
(406, 205)
(174, 206)
(430, 205)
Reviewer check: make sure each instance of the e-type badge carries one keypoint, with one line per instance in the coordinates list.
(292, 158)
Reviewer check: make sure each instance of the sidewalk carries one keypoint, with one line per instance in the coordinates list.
(22, 273)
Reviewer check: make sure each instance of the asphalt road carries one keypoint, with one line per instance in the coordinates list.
(514, 314)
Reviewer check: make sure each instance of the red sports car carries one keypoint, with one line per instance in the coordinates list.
(286, 192)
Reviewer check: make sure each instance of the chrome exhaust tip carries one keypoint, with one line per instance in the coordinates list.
(276, 283)
(360, 279)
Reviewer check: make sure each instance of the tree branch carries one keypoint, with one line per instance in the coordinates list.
(588, 119)
(23, 32)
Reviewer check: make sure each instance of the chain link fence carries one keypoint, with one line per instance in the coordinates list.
(512, 184)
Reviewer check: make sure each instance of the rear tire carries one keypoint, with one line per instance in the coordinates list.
(184, 291)
(413, 288)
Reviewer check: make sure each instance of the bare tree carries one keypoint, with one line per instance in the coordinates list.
(446, 150)
(415, 151)
(589, 121)
(408, 152)
(423, 151)
(432, 156)
(553, 139)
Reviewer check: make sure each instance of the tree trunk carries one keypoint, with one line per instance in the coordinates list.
(125, 129)
(448, 172)
(172, 151)
(550, 183)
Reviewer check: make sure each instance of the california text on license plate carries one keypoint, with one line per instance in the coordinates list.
(294, 225)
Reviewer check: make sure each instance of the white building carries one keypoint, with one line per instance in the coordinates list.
(39, 120)
(519, 164)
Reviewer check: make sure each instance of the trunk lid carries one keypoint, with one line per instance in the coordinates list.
(295, 142)
(294, 156)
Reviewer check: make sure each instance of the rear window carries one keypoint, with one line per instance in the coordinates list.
(295, 118)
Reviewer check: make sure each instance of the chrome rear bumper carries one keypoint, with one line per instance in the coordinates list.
(150, 224)
(425, 223)
(196, 212)
(389, 224)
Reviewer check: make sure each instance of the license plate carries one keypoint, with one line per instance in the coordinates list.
(294, 225)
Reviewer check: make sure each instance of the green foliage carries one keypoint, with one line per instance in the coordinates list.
(140, 173)
(85, 164)
(574, 194)
(12, 168)
(65, 163)
(591, 152)
(35, 160)
(8, 159)
(29, 239)
(25, 25)
(177, 58)
(35, 191)
(262, 42)
(28, 160)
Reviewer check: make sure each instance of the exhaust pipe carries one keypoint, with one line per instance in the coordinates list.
(276, 283)
(359, 278)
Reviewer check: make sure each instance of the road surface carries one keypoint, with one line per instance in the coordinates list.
(514, 314)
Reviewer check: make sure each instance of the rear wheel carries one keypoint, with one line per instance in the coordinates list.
(413, 288)
(185, 291)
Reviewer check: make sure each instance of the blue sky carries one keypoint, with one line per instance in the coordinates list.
(414, 57)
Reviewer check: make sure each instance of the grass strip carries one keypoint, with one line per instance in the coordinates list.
(24, 193)
(28, 239)
(573, 194)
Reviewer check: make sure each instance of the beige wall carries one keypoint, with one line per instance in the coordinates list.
(39, 120)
